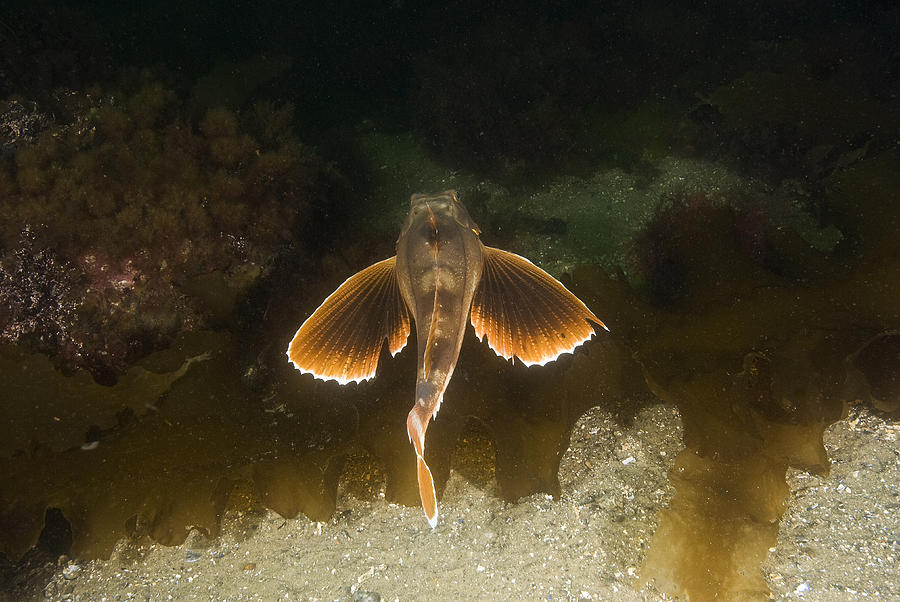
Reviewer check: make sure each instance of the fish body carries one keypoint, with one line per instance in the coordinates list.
(439, 265)
(442, 277)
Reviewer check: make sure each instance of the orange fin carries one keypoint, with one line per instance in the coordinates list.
(525, 312)
(416, 425)
(342, 339)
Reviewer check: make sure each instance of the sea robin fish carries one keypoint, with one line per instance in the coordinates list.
(441, 275)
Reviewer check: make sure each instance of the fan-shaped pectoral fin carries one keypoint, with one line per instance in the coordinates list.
(342, 339)
(522, 311)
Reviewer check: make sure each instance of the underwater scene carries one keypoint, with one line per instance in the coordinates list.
(635, 267)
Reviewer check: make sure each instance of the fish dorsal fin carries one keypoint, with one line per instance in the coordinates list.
(342, 339)
(525, 312)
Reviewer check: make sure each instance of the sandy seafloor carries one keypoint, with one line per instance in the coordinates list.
(837, 541)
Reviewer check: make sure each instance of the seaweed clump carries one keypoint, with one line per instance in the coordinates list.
(156, 217)
(761, 341)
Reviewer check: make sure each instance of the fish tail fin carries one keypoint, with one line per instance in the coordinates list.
(416, 425)
(427, 493)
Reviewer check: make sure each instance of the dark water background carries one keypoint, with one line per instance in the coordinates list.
(181, 186)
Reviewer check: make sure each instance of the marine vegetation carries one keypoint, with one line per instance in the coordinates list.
(133, 215)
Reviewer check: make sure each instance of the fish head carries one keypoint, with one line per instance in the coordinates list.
(439, 209)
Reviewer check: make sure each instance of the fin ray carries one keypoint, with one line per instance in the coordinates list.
(342, 339)
(525, 312)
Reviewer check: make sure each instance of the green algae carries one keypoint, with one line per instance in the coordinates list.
(603, 214)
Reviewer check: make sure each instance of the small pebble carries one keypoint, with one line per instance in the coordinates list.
(192, 556)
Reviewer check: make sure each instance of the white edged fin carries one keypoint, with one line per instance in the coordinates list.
(524, 312)
(342, 339)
